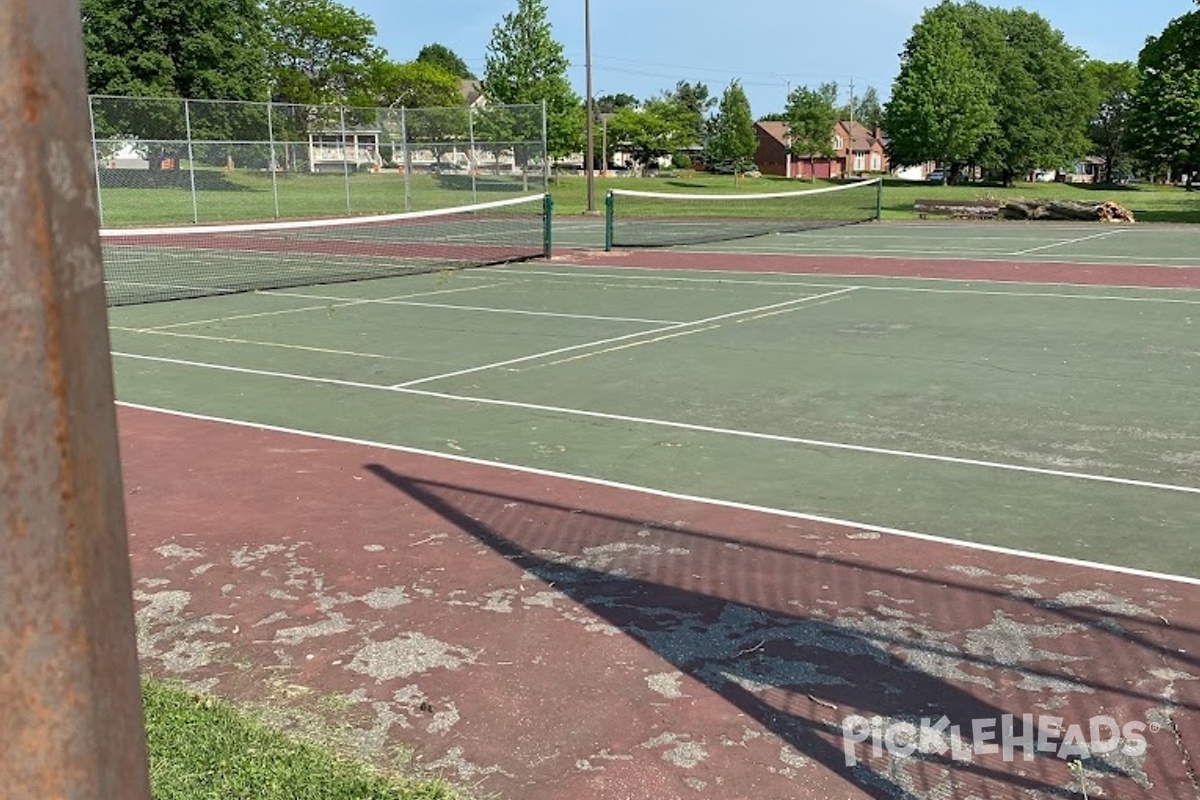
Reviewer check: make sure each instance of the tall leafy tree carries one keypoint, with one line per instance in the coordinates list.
(1040, 94)
(1113, 84)
(652, 132)
(204, 49)
(416, 84)
(525, 65)
(1164, 121)
(732, 139)
(320, 51)
(695, 103)
(811, 115)
(439, 55)
(867, 110)
(609, 103)
(940, 107)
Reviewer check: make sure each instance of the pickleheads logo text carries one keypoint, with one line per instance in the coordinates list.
(1010, 737)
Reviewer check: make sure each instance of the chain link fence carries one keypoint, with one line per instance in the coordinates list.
(162, 161)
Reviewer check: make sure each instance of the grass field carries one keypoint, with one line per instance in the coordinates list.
(241, 196)
(201, 747)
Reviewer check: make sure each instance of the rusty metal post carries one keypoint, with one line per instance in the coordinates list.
(70, 703)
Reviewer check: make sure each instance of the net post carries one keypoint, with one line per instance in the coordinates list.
(608, 221)
(548, 226)
(69, 692)
(879, 200)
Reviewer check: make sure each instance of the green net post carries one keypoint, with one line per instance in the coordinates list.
(608, 221)
(547, 227)
(879, 200)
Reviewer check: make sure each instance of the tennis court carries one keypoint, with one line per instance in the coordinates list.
(741, 491)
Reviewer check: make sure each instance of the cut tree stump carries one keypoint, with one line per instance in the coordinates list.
(1106, 211)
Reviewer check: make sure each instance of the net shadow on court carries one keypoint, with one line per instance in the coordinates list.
(975, 488)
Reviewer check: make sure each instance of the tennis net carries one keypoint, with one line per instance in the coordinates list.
(154, 264)
(663, 219)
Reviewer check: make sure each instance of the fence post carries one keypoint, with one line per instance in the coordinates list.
(472, 161)
(273, 165)
(406, 160)
(345, 158)
(545, 150)
(95, 161)
(187, 122)
(69, 695)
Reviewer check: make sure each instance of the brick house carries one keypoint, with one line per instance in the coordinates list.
(856, 150)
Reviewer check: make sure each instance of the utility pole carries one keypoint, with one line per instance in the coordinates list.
(69, 692)
(787, 99)
(850, 160)
(589, 167)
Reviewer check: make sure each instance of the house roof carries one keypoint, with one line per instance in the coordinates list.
(861, 137)
(472, 92)
(776, 130)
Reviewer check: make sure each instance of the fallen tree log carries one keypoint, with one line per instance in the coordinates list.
(1107, 211)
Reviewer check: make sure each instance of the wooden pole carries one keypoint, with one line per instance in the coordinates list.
(69, 695)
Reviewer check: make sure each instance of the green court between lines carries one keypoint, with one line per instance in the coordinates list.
(1049, 418)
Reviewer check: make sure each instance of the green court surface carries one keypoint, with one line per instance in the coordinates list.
(1053, 419)
(1172, 245)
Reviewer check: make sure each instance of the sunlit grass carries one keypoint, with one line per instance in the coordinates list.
(204, 749)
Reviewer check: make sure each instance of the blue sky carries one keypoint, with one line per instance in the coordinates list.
(644, 47)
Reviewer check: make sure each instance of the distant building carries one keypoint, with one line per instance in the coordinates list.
(472, 93)
(856, 151)
(337, 151)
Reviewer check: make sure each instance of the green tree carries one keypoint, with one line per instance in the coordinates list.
(1040, 92)
(732, 139)
(1113, 84)
(940, 107)
(695, 103)
(650, 133)
(609, 103)
(524, 65)
(320, 51)
(204, 49)
(810, 116)
(207, 49)
(1164, 120)
(413, 85)
(439, 55)
(867, 110)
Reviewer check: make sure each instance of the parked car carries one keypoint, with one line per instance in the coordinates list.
(937, 176)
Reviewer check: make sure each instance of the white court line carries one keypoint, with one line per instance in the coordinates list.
(255, 343)
(708, 501)
(600, 281)
(492, 310)
(611, 340)
(1067, 242)
(678, 334)
(685, 426)
(629, 345)
(323, 307)
(674, 277)
(933, 255)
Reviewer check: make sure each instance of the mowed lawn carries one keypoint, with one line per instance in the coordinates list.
(250, 196)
